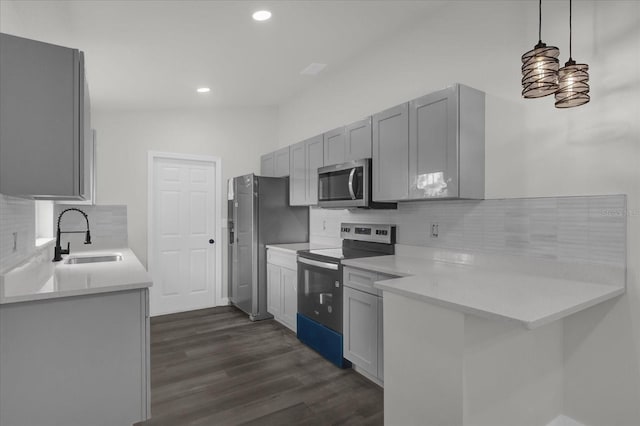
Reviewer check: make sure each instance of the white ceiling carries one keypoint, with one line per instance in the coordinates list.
(154, 54)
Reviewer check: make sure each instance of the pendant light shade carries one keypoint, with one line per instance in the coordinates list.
(573, 80)
(540, 67)
(573, 85)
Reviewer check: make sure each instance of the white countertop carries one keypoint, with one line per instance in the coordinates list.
(40, 279)
(294, 247)
(527, 298)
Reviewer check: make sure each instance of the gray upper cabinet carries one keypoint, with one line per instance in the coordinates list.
(334, 147)
(90, 181)
(275, 164)
(446, 144)
(267, 165)
(358, 140)
(315, 160)
(44, 111)
(298, 175)
(391, 154)
(305, 158)
(348, 143)
(281, 162)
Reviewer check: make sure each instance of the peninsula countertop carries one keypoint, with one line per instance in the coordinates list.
(295, 247)
(40, 279)
(533, 300)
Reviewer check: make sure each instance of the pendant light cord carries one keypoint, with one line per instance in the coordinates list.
(540, 21)
(570, 30)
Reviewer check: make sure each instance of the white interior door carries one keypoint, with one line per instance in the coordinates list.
(183, 224)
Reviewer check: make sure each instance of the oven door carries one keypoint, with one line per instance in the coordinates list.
(320, 292)
(344, 185)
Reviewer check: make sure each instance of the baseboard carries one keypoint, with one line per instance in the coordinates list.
(224, 302)
(369, 376)
(563, 420)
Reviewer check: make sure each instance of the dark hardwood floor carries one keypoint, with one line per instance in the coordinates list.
(215, 367)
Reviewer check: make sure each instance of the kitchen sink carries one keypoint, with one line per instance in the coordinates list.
(76, 260)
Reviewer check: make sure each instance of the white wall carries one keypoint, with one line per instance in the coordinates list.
(238, 136)
(532, 149)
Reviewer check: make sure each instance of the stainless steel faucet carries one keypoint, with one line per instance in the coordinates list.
(59, 251)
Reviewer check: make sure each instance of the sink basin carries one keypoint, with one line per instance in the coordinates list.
(76, 260)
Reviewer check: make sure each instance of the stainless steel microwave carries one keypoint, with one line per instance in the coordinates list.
(347, 185)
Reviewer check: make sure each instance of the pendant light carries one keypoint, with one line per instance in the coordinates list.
(573, 80)
(540, 67)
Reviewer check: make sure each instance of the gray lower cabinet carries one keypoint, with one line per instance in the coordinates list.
(45, 116)
(446, 144)
(390, 159)
(362, 321)
(361, 329)
(75, 361)
(282, 287)
(358, 138)
(305, 158)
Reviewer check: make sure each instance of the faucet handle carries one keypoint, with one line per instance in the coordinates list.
(68, 250)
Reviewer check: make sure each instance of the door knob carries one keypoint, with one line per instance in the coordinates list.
(211, 241)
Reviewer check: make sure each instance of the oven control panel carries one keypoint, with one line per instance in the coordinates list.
(378, 233)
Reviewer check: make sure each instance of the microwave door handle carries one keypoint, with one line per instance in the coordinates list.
(351, 175)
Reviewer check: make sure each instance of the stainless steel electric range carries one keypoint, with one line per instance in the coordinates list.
(319, 320)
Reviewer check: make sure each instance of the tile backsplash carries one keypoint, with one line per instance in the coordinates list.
(17, 215)
(108, 226)
(589, 229)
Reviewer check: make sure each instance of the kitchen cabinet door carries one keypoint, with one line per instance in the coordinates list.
(358, 140)
(298, 174)
(61, 359)
(289, 289)
(267, 165)
(433, 145)
(391, 154)
(44, 111)
(281, 162)
(315, 159)
(334, 147)
(446, 144)
(360, 327)
(380, 340)
(274, 295)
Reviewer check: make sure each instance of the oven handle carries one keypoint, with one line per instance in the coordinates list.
(351, 175)
(325, 265)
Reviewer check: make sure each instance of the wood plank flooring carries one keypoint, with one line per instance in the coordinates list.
(215, 367)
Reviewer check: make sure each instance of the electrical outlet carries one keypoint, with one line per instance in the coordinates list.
(15, 242)
(434, 230)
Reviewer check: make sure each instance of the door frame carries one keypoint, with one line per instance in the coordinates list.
(218, 300)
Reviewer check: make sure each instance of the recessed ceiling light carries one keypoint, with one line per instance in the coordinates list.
(203, 90)
(261, 15)
(313, 69)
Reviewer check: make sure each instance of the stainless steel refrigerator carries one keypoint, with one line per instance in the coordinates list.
(259, 214)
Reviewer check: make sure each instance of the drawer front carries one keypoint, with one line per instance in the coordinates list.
(280, 258)
(360, 279)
